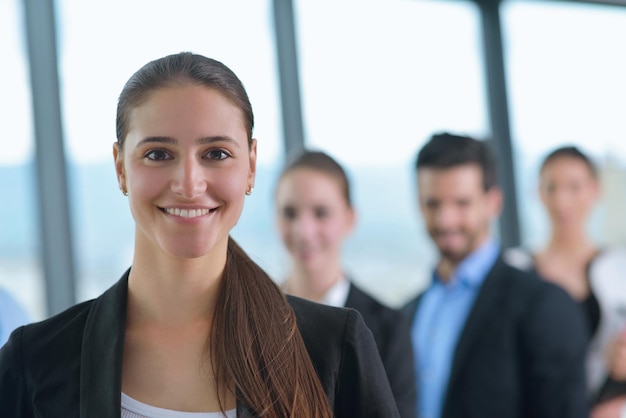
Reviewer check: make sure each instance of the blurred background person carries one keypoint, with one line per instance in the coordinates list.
(489, 340)
(569, 188)
(12, 315)
(315, 215)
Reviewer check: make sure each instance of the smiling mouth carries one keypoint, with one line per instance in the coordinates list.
(188, 213)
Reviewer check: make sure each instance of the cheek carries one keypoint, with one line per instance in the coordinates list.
(230, 185)
(334, 231)
(585, 204)
(476, 217)
(145, 183)
(285, 228)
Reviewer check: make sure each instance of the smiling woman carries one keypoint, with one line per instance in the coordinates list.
(189, 140)
(194, 325)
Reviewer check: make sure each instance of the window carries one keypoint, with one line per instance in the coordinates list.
(378, 78)
(20, 269)
(567, 86)
(100, 45)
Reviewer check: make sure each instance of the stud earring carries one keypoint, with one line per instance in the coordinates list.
(124, 191)
(249, 191)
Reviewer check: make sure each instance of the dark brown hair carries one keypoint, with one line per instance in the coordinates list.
(320, 161)
(255, 346)
(570, 151)
(445, 150)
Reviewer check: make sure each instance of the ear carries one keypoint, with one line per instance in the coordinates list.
(596, 186)
(118, 159)
(351, 220)
(495, 201)
(252, 156)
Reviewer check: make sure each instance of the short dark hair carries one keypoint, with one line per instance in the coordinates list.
(445, 150)
(570, 151)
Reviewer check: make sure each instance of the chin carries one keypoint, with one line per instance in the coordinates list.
(456, 256)
(188, 255)
(191, 251)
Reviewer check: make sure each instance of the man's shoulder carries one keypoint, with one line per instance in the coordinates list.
(532, 296)
(522, 280)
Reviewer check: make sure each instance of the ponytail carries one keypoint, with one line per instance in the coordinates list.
(256, 346)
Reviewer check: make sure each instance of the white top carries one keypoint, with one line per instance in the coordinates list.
(337, 295)
(132, 408)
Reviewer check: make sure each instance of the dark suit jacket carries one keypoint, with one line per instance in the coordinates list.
(392, 334)
(521, 352)
(71, 364)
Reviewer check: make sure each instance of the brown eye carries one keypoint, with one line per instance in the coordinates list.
(431, 204)
(289, 213)
(217, 154)
(158, 155)
(321, 212)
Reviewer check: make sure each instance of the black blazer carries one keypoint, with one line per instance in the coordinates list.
(521, 352)
(392, 334)
(71, 364)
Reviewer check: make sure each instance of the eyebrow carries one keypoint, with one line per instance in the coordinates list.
(172, 141)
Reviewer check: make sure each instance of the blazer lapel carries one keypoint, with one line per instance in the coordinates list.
(484, 307)
(102, 354)
(355, 298)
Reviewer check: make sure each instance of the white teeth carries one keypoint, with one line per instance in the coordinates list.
(187, 213)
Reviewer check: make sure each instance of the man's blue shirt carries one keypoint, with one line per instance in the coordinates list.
(439, 321)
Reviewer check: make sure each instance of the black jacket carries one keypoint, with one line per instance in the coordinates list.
(70, 365)
(392, 334)
(521, 353)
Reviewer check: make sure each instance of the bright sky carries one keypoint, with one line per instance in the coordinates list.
(375, 83)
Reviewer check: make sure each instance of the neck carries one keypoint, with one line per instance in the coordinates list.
(448, 264)
(174, 291)
(312, 285)
(571, 241)
(446, 268)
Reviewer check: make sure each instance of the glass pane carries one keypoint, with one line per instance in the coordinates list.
(378, 78)
(567, 86)
(20, 270)
(101, 45)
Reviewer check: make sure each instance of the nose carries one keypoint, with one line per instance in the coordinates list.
(445, 217)
(303, 227)
(189, 179)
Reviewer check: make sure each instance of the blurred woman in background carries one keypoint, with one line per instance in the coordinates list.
(315, 215)
(594, 276)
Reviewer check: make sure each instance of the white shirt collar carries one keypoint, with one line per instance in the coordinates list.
(337, 295)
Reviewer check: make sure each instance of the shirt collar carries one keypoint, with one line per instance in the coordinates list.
(474, 268)
(338, 293)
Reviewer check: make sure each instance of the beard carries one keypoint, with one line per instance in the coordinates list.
(455, 245)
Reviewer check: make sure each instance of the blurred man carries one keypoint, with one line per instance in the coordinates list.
(490, 341)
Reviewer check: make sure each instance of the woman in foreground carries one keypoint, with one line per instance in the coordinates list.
(194, 326)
